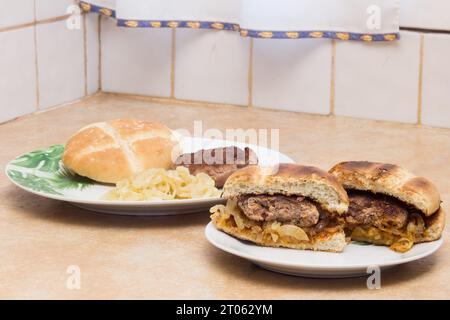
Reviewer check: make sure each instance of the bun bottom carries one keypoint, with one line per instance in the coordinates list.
(230, 220)
(433, 231)
(238, 225)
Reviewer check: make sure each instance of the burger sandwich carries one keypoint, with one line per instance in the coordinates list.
(290, 206)
(389, 205)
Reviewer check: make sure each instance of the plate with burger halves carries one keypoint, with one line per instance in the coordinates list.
(135, 167)
(301, 220)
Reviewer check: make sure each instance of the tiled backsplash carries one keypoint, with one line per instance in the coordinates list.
(44, 64)
(404, 81)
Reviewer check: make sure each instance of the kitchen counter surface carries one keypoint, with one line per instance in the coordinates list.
(169, 257)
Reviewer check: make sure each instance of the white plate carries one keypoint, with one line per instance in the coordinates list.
(353, 262)
(41, 172)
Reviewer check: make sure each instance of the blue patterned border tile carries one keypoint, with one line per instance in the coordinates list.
(319, 35)
(235, 27)
(177, 24)
(87, 7)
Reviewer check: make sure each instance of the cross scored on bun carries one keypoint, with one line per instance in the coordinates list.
(390, 205)
(114, 150)
(291, 206)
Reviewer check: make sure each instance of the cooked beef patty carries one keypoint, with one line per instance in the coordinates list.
(295, 210)
(376, 210)
(219, 163)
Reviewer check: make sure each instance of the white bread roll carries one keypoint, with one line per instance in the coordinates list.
(114, 150)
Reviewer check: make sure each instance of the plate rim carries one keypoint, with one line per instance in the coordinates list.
(210, 226)
(134, 203)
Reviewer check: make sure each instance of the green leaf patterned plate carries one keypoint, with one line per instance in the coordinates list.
(42, 172)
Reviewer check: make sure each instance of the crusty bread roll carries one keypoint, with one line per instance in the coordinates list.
(391, 180)
(289, 179)
(114, 150)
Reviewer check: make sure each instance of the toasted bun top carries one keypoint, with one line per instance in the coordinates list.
(114, 150)
(289, 179)
(391, 180)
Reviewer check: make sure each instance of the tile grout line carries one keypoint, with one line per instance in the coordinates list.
(172, 63)
(55, 19)
(168, 100)
(420, 87)
(19, 26)
(99, 53)
(250, 75)
(85, 55)
(333, 78)
(35, 22)
(36, 64)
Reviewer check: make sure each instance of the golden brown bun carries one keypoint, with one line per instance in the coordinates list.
(435, 227)
(225, 221)
(391, 180)
(114, 150)
(433, 231)
(290, 179)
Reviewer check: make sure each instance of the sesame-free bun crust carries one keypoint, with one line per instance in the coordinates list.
(114, 150)
(391, 180)
(289, 179)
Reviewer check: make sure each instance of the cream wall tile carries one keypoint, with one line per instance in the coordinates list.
(18, 73)
(211, 66)
(60, 64)
(426, 14)
(292, 75)
(46, 9)
(135, 61)
(436, 81)
(16, 12)
(378, 80)
(92, 52)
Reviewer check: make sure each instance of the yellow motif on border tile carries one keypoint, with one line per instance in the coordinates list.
(106, 12)
(193, 24)
(85, 6)
(132, 24)
(244, 33)
(265, 34)
(367, 37)
(217, 25)
(292, 35)
(316, 34)
(343, 35)
(155, 24)
(390, 37)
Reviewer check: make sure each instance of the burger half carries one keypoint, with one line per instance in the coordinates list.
(294, 207)
(389, 205)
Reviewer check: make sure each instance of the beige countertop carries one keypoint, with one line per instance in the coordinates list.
(169, 257)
